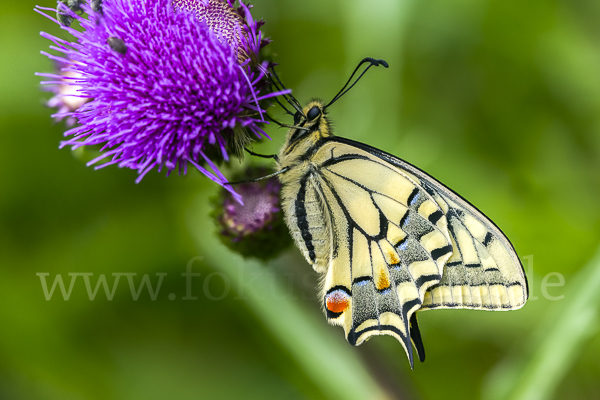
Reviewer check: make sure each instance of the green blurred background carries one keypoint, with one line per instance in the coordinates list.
(499, 99)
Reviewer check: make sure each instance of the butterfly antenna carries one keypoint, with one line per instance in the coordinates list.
(278, 89)
(283, 86)
(291, 99)
(372, 62)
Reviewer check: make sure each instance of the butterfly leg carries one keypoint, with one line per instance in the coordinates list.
(273, 156)
(286, 125)
(286, 169)
(291, 99)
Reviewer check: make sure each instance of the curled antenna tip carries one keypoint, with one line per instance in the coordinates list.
(376, 62)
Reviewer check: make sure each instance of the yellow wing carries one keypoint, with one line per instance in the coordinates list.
(484, 271)
(391, 243)
(391, 240)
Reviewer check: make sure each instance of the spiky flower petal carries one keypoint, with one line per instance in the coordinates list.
(67, 97)
(164, 87)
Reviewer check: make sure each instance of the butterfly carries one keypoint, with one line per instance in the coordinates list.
(388, 239)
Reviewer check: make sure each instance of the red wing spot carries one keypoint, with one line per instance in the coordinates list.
(337, 301)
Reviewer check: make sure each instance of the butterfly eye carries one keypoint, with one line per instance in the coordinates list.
(313, 113)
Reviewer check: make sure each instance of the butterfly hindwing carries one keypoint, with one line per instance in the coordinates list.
(392, 244)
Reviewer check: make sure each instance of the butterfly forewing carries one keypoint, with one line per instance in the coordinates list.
(484, 271)
(481, 274)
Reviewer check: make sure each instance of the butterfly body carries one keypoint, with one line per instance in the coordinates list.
(306, 216)
(388, 239)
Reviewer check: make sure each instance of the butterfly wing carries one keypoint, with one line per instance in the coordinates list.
(484, 271)
(383, 233)
(390, 243)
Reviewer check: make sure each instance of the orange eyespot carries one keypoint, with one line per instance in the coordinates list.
(337, 301)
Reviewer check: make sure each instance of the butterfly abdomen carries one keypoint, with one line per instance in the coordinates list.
(307, 220)
(300, 206)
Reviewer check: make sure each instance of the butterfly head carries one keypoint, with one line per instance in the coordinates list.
(311, 124)
(309, 127)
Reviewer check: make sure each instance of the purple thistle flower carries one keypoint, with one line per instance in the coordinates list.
(261, 202)
(66, 95)
(166, 82)
(223, 19)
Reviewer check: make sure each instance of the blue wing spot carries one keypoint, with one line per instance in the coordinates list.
(414, 197)
(405, 219)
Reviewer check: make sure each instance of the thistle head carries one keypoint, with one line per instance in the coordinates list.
(255, 228)
(165, 84)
